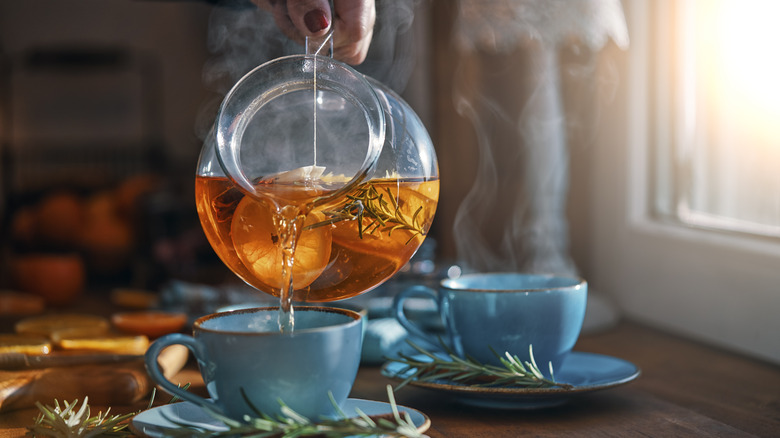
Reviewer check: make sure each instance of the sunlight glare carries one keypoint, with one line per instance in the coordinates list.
(749, 40)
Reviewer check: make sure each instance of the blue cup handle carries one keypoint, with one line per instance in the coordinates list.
(415, 332)
(153, 368)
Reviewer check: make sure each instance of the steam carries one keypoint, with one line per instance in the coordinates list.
(242, 37)
(513, 219)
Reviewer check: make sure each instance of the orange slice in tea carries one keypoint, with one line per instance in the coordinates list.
(406, 202)
(258, 246)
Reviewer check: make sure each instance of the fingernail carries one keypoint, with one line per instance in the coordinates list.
(315, 20)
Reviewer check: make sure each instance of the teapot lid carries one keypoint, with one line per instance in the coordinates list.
(300, 116)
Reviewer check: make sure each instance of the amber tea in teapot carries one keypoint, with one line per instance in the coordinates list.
(346, 247)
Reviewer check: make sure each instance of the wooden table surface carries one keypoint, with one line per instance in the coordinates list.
(686, 389)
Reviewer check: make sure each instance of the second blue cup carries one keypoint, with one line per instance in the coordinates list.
(490, 314)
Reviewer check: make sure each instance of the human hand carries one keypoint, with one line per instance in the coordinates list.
(353, 24)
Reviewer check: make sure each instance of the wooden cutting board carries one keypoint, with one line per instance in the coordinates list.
(105, 384)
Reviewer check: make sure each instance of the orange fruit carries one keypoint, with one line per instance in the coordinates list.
(100, 205)
(24, 225)
(150, 323)
(106, 238)
(258, 246)
(104, 232)
(59, 218)
(58, 278)
(131, 191)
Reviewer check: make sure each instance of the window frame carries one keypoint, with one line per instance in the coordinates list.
(717, 287)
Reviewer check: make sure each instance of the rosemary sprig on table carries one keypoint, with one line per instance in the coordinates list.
(292, 425)
(468, 371)
(73, 421)
(381, 207)
(67, 422)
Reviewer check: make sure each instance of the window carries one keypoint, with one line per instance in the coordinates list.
(724, 112)
(686, 186)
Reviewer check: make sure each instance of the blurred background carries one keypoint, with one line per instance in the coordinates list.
(99, 105)
(633, 143)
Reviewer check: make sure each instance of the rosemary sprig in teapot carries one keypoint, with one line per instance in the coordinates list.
(380, 209)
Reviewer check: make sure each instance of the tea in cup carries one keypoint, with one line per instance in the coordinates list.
(486, 315)
(249, 365)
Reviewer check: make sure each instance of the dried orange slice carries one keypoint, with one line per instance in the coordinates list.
(27, 344)
(134, 298)
(49, 325)
(257, 245)
(152, 324)
(121, 344)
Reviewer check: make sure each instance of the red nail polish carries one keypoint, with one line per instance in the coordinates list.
(315, 20)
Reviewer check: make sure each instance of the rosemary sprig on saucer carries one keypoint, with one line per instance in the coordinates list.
(514, 373)
(290, 424)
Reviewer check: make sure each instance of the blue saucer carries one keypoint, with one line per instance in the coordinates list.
(157, 422)
(586, 372)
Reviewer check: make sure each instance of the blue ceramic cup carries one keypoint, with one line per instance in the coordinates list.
(243, 356)
(495, 313)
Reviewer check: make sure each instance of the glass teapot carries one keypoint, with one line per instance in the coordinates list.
(316, 183)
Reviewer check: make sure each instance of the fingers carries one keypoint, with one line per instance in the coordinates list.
(354, 28)
(278, 9)
(353, 22)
